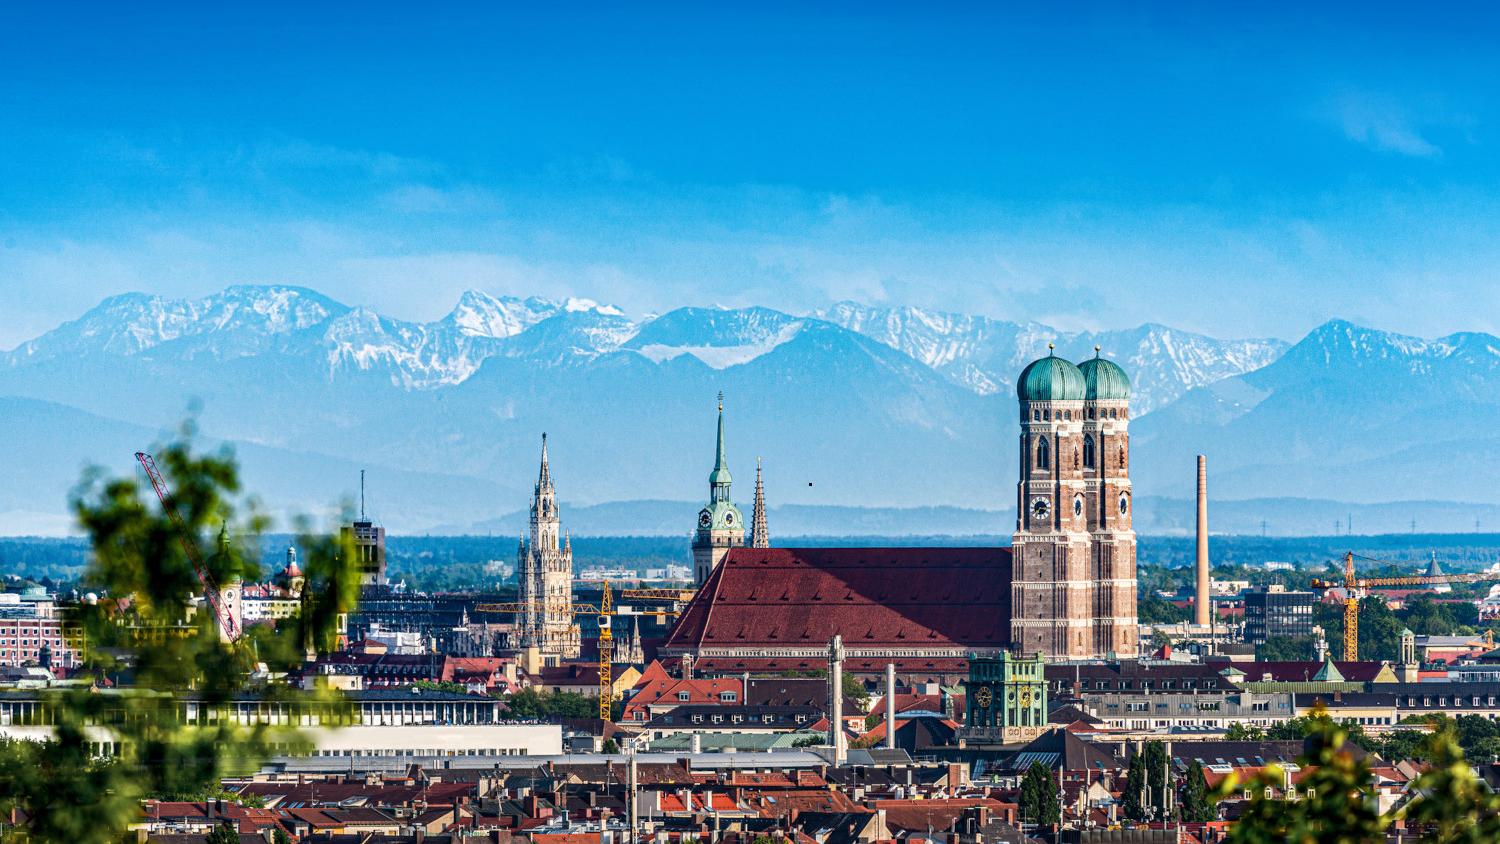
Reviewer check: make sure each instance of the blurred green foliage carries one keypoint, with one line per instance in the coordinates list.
(158, 720)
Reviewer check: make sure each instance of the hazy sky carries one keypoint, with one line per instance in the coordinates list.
(1232, 169)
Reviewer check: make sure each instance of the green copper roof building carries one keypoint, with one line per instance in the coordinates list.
(720, 474)
(1104, 380)
(1050, 379)
(720, 526)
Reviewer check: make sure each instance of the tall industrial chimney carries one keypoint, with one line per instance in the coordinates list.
(890, 705)
(1200, 595)
(836, 698)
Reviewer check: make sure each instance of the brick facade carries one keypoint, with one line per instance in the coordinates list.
(1073, 592)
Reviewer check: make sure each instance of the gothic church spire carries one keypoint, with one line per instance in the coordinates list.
(760, 537)
(544, 479)
(719, 479)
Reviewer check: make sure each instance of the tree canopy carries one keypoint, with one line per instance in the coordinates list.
(1039, 797)
(151, 637)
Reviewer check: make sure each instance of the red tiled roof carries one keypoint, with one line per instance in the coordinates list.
(936, 814)
(875, 666)
(1298, 671)
(874, 597)
(721, 803)
(667, 693)
(781, 803)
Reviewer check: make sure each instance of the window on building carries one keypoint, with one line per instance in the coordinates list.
(1088, 451)
(684, 696)
(728, 697)
(1043, 458)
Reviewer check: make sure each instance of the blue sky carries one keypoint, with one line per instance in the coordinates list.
(1235, 173)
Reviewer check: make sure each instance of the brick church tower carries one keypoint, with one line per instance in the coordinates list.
(1108, 504)
(1073, 554)
(720, 526)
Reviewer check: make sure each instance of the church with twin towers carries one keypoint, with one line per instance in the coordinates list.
(1064, 590)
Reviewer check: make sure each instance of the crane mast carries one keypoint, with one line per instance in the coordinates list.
(210, 588)
(605, 610)
(606, 655)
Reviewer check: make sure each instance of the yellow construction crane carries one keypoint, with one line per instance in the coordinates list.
(676, 596)
(605, 610)
(1355, 586)
(606, 655)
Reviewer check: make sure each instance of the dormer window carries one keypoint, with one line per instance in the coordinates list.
(728, 697)
(684, 696)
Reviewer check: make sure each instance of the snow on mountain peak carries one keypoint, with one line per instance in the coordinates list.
(478, 314)
(575, 305)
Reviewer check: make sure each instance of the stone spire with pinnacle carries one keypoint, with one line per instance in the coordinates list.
(544, 479)
(760, 537)
(544, 567)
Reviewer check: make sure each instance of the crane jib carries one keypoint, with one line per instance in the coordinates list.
(210, 587)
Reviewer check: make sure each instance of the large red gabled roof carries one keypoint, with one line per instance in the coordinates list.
(874, 597)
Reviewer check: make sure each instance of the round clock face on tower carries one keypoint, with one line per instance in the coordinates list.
(983, 697)
(704, 519)
(1040, 508)
(1124, 504)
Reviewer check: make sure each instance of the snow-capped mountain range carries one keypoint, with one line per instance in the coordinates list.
(849, 405)
(979, 353)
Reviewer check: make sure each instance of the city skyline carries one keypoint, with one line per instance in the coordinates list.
(1232, 177)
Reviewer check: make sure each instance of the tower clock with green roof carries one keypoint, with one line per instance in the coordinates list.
(720, 525)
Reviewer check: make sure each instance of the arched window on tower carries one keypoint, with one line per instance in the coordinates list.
(1043, 459)
(1122, 457)
(1088, 451)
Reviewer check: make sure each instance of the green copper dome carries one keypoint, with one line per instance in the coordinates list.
(1050, 379)
(1104, 380)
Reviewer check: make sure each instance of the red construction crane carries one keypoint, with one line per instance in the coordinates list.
(210, 588)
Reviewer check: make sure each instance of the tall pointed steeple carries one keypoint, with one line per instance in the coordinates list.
(759, 536)
(544, 479)
(719, 479)
(544, 565)
(719, 524)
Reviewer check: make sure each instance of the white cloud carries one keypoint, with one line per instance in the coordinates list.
(1385, 126)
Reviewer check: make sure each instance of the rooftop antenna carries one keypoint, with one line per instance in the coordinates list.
(361, 494)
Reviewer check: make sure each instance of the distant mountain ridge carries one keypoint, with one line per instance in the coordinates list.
(986, 354)
(852, 406)
(978, 353)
